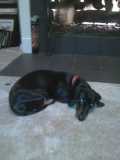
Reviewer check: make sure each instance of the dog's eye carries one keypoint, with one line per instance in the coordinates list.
(82, 100)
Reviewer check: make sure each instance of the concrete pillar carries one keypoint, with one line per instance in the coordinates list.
(25, 25)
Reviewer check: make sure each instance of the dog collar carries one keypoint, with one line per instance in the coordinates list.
(74, 79)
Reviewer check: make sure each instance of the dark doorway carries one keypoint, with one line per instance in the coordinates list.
(85, 27)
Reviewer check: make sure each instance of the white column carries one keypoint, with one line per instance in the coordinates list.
(25, 25)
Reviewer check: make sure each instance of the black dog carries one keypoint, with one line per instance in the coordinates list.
(36, 90)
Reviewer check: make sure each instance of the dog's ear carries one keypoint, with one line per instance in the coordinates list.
(95, 98)
(100, 104)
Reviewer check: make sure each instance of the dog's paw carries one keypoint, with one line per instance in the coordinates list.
(48, 102)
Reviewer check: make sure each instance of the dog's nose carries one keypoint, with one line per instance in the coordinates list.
(81, 117)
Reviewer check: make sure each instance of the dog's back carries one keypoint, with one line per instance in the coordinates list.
(43, 79)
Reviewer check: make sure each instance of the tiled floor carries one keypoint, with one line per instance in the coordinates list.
(55, 133)
(8, 55)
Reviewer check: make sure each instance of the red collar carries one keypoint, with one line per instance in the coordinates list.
(74, 79)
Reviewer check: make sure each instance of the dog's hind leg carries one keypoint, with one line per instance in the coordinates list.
(26, 102)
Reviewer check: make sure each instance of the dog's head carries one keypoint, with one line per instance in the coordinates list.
(86, 99)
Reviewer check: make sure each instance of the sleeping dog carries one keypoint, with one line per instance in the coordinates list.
(36, 90)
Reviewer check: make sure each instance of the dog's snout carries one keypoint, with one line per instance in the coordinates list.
(81, 117)
(80, 112)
